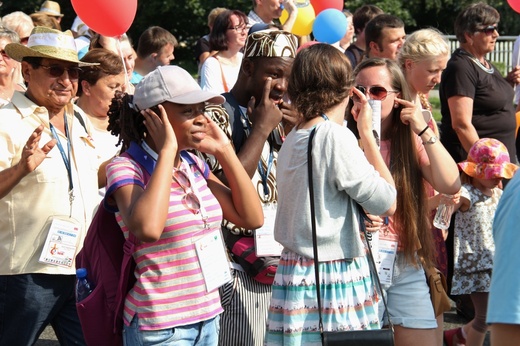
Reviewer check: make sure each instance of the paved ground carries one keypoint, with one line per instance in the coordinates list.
(451, 320)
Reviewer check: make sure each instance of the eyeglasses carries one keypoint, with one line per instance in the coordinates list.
(4, 54)
(58, 70)
(489, 30)
(239, 28)
(190, 199)
(375, 92)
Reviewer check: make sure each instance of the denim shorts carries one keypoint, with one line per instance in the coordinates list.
(197, 334)
(408, 297)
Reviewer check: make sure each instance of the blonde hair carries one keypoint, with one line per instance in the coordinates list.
(213, 14)
(423, 44)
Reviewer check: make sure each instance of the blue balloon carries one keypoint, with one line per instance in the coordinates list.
(329, 26)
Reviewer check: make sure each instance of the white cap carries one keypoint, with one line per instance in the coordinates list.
(172, 84)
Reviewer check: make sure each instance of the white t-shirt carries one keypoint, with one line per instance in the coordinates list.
(217, 76)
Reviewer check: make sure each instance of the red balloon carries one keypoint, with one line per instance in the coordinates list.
(106, 17)
(515, 5)
(320, 5)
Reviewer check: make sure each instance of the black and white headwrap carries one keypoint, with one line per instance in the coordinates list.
(271, 44)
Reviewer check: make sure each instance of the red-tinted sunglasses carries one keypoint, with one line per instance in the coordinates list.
(375, 92)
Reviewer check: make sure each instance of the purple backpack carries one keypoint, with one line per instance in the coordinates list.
(107, 256)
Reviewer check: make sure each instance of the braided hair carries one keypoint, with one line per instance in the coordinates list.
(124, 121)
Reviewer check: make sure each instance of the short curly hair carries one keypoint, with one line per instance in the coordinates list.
(124, 121)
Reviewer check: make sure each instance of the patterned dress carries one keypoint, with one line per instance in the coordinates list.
(474, 247)
(349, 301)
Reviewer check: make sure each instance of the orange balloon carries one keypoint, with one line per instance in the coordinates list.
(304, 20)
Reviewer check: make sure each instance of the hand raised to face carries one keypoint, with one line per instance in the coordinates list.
(160, 129)
(266, 115)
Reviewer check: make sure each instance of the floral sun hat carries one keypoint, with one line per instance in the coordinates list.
(488, 159)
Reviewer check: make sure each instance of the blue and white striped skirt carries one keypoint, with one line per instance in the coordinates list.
(349, 301)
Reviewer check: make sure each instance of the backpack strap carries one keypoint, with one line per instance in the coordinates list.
(224, 83)
(124, 284)
(190, 159)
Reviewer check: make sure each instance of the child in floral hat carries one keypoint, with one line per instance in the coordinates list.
(482, 173)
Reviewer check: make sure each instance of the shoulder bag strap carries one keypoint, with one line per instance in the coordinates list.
(226, 89)
(371, 261)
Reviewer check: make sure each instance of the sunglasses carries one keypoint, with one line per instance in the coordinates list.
(190, 200)
(58, 70)
(375, 92)
(489, 30)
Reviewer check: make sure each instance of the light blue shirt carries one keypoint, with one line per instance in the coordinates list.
(504, 295)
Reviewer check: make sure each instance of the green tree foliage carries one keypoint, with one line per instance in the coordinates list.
(187, 19)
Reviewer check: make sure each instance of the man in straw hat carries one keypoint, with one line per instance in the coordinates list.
(52, 9)
(255, 119)
(48, 191)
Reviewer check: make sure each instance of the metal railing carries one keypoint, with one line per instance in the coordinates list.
(503, 52)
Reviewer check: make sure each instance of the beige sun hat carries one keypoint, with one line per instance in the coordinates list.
(51, 8)
(47, 43)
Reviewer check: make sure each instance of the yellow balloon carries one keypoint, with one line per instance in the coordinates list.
(304, 20)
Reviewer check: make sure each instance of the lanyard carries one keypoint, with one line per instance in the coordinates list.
(65, 157)
(264, 174)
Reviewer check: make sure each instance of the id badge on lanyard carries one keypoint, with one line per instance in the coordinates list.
(213, 260)
(265, 245)
(386, 254)
(62, 241)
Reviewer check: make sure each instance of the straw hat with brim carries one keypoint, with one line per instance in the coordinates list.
(51, 8)
(173, 84)
(488, 158)
(47, 43)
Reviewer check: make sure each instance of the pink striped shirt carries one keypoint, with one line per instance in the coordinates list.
(170, 289)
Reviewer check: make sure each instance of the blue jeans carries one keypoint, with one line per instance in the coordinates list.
(197, 334)
(30, 302)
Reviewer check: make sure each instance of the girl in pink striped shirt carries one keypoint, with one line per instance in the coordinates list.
(170, 201)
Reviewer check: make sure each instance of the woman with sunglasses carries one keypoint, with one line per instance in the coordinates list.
(219, 72)
(413, 154)
(176, 213)
(476, 101)
(343, 176)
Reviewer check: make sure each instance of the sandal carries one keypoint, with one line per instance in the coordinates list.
(449, 336)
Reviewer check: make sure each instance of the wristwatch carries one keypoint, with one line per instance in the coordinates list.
(432, 140)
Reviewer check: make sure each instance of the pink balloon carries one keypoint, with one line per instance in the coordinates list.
(515, 5)
(106, 17)
(320, 5)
